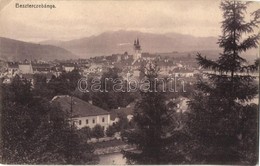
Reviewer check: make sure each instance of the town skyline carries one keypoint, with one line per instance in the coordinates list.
(76, 19)
(129, 82)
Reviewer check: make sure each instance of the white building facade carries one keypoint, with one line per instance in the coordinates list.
(83, 114)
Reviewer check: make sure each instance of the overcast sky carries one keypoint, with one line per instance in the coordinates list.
(78, 18)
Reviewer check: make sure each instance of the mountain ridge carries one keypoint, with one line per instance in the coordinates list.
(11, 49)
(111, 42)
(120, 41)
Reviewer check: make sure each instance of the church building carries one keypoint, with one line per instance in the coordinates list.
(137, 50)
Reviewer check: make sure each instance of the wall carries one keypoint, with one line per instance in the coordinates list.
(97, 119)
(26, 68)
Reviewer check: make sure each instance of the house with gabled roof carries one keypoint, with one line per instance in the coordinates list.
(83, 114)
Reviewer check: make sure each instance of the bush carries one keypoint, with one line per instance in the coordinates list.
(110, 132)
(97, 132)
(85, 133)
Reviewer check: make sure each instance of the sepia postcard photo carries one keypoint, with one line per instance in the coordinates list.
(129, 82)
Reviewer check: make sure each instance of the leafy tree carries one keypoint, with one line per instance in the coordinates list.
(57, 142)
(83, 96)
(152, 120)
(14, 127)
(98, 131)
(109, 99)
(142, 70)
(220, 119)
(85, 133)
(122, 124)
(40, 80)
(110, 132)
(41, 87)
(73, 78)
(21, 90)
(59, 85)
(35, 132)
(64, 84)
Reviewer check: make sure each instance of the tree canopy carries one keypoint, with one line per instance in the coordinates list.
(35, 132)
(219, 109)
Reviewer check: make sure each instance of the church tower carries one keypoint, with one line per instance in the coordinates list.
(137, 50)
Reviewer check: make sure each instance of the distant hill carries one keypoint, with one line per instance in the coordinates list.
(18, 50)
(121, 41)
(112, 42)
(211, 54)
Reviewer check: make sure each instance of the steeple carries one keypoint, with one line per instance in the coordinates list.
(137, 45)
(137, 50)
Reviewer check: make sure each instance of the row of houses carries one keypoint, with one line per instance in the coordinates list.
(13, 68)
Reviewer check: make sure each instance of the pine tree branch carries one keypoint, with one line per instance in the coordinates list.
(206, 63)
(256, 15)
(250, 42)
(204, 87)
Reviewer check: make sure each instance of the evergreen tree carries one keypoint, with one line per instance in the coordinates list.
(220, 118)
(152, 120)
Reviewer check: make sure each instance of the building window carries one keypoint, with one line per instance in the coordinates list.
(79, 122)
(93, 121)
(86, 121)
(103, 119)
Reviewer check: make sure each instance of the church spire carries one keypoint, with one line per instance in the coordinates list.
(137, 50)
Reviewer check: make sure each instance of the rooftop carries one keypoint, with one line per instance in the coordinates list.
(80, 108)
(12, 64)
